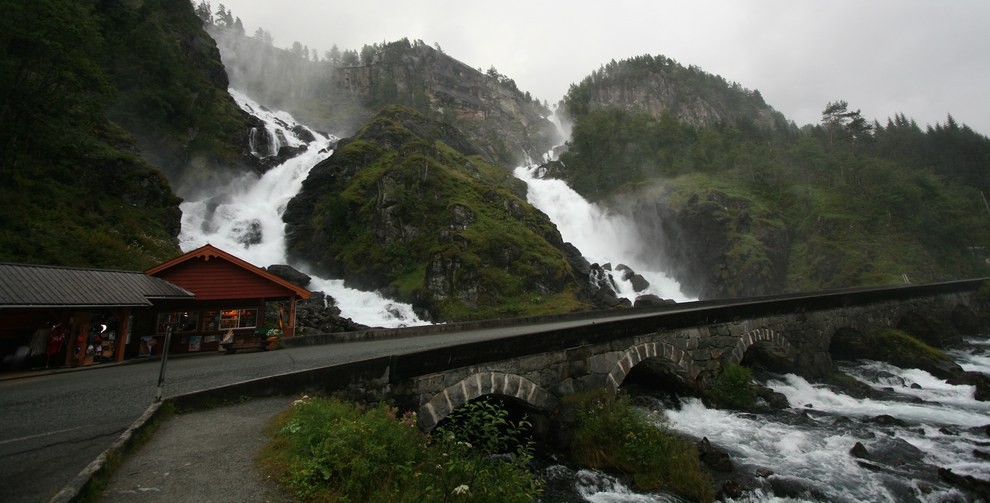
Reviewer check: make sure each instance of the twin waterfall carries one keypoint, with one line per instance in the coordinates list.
(800, 454)
(244, 217)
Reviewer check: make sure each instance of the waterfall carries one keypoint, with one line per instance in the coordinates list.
(603, 237)
(244, 217)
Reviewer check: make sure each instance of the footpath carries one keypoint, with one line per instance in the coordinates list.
(207, 456)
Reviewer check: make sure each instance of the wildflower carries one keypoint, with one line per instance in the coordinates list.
(461, 489)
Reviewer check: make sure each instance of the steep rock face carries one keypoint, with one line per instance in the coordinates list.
(410, 207)
(172, 93)
(658, 85)
(721, 246)
(504, 122)
(487, 108)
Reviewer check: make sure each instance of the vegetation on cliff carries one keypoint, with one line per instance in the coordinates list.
(769, 209)
(99, 99)
(409, 206)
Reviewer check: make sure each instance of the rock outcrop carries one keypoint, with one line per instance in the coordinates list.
(409, 206)
(720, 246)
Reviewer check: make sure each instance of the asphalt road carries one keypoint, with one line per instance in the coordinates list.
(52, 426)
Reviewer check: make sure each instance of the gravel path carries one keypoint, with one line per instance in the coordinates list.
(201, 456)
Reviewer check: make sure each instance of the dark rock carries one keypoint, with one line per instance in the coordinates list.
(290, 274)
(249, 233)
(648, 300)
(284, 153)
(639, 283)
(966, 321)
(859, 451)
(887, 420)
(893, 451)
(319, 314)
(763, 472)
(967, 482)
(842, 421)
(715, 459)
(730, 490)
(981, 454)
(980, 381)
(915, 385)
(303, 134)
(785, 487)
(945, 431)
(775, 400)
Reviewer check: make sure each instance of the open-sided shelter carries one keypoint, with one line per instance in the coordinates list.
(53, 316)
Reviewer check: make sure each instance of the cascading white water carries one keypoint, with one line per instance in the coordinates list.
(602, 237)
(812, 446)
(244, 217)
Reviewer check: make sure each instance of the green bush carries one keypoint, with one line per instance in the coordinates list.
(329, 450)
(613, 436)
(734, 388)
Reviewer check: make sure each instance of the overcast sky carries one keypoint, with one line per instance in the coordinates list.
(926, 59)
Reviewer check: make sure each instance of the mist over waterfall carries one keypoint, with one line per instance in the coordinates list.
(602, 236)
(244, 216)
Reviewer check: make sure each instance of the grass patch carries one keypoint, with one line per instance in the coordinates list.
(330, 450)
(733, 389)
(613, 436)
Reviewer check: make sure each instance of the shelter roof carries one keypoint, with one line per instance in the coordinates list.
(209, 252)
(29, 285)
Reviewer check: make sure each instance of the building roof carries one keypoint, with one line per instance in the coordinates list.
(209, 252)
(28, 285)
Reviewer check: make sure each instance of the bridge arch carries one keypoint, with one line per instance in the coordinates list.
(645, 351)
(481, 384)
(752, 337)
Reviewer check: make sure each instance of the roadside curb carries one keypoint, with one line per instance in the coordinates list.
(81, 482)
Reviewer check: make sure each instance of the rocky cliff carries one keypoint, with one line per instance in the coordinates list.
(410, 206)
(658, 85)
(339, 96)
(715, 245)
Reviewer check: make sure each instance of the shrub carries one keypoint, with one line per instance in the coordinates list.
(329, 450)
(733, 388)
(613, 436)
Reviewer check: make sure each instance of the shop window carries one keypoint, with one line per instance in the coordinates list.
(182, 321)
(238, 318)
(211, 320)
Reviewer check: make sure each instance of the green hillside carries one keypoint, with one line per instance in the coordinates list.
(409, 206)
(844, 203)
(97, 101)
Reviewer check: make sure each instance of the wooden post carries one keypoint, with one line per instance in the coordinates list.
(291, 329)
(123, 318)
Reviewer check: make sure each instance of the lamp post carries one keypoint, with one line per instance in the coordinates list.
(168, 342)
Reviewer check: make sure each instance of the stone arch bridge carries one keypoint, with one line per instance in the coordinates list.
(692, 341)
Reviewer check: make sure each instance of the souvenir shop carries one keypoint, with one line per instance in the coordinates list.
(66, 317)
(59, 316)
(236, 303)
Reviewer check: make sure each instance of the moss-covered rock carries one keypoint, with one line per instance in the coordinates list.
(408, 206)
(717, 240)
(895, 347)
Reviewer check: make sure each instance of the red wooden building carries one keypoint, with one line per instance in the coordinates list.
(232, 296)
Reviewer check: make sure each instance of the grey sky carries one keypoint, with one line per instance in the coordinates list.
(926, 59)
